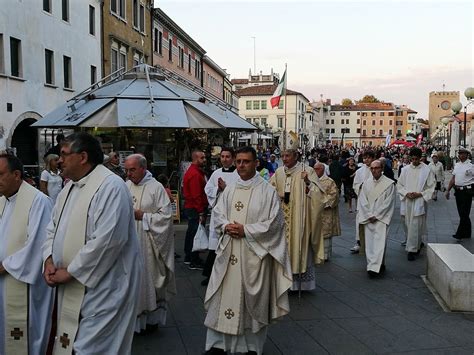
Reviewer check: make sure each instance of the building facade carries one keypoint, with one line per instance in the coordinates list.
(256, 80)
(439, 106)
(254, 106)
(320, 111)
(213, 77)
(343, 125)
(367, 124)
(175, 50)
(126, 34)
(39, 70)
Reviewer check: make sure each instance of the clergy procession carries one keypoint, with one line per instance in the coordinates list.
(87, 272)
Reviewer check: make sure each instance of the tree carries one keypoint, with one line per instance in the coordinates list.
(346, 102)
(369, 99)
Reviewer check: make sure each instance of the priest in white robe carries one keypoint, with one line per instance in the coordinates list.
(25, 298)
(92, 255)
(415, 187)
(375, 204)
(292, 182)
(252, 273)
(154, 223)
(219, 180)
(362, 175)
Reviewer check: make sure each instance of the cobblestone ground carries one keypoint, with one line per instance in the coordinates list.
(348, 313)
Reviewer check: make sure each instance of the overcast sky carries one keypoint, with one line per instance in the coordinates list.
(398, 51)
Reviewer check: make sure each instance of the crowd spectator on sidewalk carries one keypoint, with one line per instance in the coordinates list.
(56, 149)
(348, 178)
(262, 170)
(195, 206)
(273, 162)
(463, 184)
(113, 164)
(51, 182)
(335, 171)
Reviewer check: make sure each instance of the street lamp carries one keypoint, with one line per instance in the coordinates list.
(457, 107)
(445, 121)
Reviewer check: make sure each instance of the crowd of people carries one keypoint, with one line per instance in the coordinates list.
(88, 260)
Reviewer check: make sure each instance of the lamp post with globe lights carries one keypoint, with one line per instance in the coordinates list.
(457, 107)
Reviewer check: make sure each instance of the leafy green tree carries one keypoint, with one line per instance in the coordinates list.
(346, 102)
(369, 99)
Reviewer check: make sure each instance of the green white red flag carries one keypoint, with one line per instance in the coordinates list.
(279, 92)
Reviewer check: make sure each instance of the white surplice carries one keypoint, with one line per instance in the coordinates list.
(250, 278)
(415, 179)
(156, 236)
(361, 175)
(212, 193)
(26, 265)
(376, 199)
(108, 265)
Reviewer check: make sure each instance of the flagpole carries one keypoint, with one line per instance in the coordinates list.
(284, 130)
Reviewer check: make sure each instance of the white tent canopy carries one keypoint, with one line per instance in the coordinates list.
(143, 98)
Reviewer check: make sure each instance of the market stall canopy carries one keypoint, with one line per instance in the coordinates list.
(404, 143)
(144, 98)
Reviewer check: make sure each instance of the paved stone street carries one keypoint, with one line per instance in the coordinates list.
(348, 313)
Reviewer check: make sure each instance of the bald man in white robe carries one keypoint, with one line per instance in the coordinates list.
(154, 223)
(375, 206)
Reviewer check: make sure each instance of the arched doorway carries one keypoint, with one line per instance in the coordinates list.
(25, 140)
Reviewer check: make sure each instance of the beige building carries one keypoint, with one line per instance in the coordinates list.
(126, 34)
(367, 124)
(254, 106)
(439, 106)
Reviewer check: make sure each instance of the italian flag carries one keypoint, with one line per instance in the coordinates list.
(279, 92)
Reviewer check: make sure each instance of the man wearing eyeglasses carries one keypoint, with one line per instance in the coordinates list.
(375, 207)
(91, 254)
(415, 188)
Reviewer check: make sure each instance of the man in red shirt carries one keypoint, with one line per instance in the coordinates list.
(195, 206)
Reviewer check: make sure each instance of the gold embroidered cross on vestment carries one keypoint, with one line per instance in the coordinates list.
(239, 205)
(229, 313)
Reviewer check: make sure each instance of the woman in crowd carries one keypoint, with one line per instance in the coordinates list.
(51, 181)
